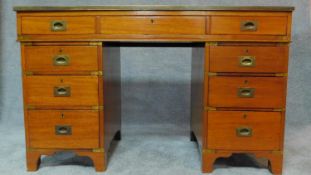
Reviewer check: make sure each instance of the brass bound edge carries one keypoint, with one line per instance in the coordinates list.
(97, 73)
(30, 107)
(95, 43)
(208, 108)
(212, 43)
(278, 152)
(281, 74)
(212, 74)
(28, 73)
(279, 110)
(208, 151)
(98, 150)
(98, 108)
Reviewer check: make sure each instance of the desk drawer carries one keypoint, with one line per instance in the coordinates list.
(257, 25)
(58, 25)
(261, 59)
(63, 129)
(61, 59)
(257, 92)
(228, 130)
(61, 90)
(153, 25)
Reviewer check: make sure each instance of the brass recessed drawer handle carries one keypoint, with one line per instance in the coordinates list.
(246, 92)
(62, 91)
(244, 132)
(62, 130)
(249, 25)
(61, 60)
(247, 61)
(58, 25)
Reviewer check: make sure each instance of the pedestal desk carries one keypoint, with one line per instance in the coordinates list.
(71, 76)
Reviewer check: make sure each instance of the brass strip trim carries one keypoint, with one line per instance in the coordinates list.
(95, 43)
(212, 43)
(155, 8)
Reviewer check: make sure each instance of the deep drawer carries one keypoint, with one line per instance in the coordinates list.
(61, 90)
(257, 92)
(63, 129)
(236, 130)
(255, 59)
(184, 25)
(57, 25)
(61, 59)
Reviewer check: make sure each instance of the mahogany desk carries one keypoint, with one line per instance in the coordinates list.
(71, 76)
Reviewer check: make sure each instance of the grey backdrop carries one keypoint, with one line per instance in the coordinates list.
(156, 82)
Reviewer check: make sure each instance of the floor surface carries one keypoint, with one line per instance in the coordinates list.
(153, 150)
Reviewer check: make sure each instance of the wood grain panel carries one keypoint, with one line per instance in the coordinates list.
(83, 90)
(80, 58)
(265, 126)
(183, 25)
(266, 59)
(84, 129)
(266, 25)
(269, 92)
(42, 25)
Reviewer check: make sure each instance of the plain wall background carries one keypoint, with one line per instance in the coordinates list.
(156, 83)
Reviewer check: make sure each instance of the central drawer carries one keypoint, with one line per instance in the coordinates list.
(256, 92)
(238, 130)
(61, 59)
(148, 25)
(61, 90)
(63, 129)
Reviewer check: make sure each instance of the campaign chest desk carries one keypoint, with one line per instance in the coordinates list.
(71, 76)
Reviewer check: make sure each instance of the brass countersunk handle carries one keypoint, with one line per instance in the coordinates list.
(249, 25)
(61, 60)
(246, 92)
(57, 25)
(62, 130)
(247, 61)
(62, 91)
(244, 132)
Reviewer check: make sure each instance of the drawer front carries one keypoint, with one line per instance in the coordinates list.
(58, 25)
(61, 59)
(257, 92)
(228, 130)
(187, 25)
(260, 59)
(61, 90)
(63, 129)
(257, 25)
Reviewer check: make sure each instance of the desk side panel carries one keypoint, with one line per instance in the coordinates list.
(197, 89)
(112, 92)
